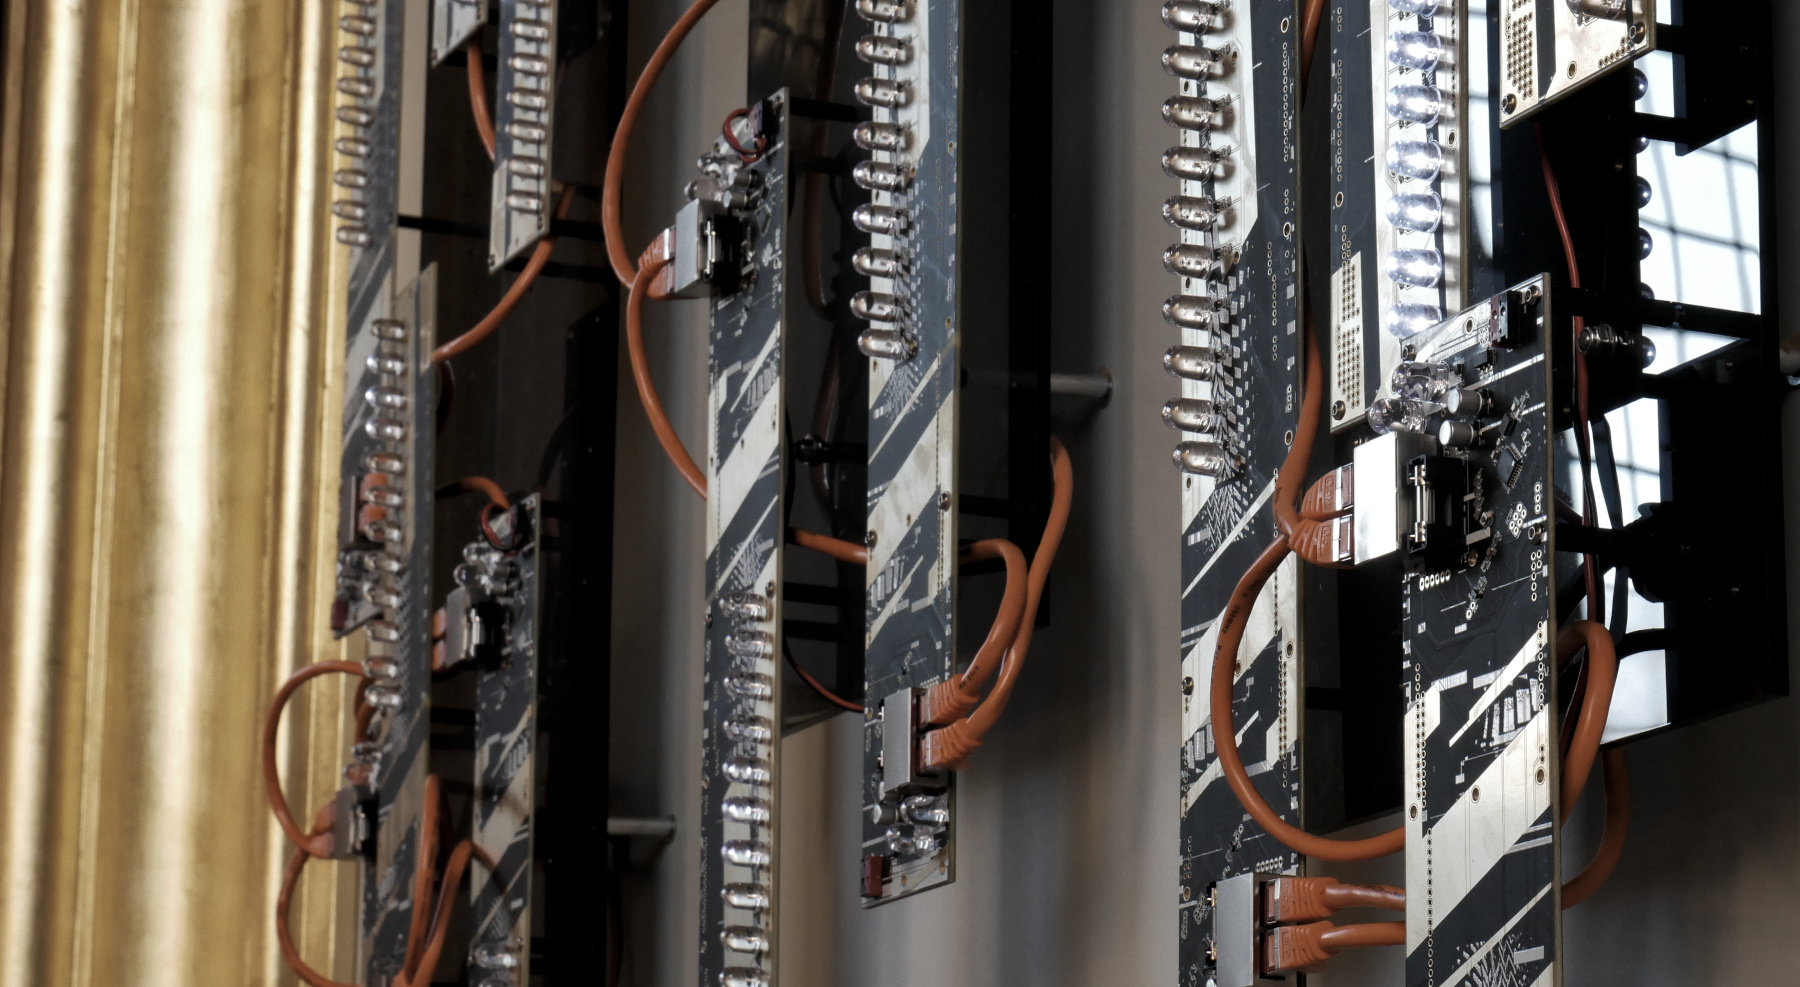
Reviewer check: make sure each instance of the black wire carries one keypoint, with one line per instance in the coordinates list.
(787, 496)
(1608, 467)
(446, 381)
(553, 449)
(1650, 639)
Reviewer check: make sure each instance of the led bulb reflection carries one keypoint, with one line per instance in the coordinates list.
(1410, 318)
(1416, 104)
(1415, 49)
(1416, 267)
(1420, 212)
(1425, 7)
(1415, 159)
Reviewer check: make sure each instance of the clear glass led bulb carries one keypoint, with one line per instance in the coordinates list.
(1420, 212)
(1424, 7)
(1408, 319)
(1415, 49)
(1415, 267)
(1415, 159)
(1415, 104)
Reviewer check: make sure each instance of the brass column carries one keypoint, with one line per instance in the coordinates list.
(168, 434)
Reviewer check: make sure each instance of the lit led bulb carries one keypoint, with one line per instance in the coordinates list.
(746, 809)
(744, 642)
(747, 770)
(749, 729)
(1415, 49)
(745, 606)
(1420, 212)
(750, 685)
(1411, 318)
(746, 853)
(1415, 267)
(1415, 104)
(1415, 159)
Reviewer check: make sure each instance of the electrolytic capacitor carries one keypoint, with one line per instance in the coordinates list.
(1455, 434)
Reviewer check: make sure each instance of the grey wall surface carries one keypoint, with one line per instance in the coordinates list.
(1067, 847)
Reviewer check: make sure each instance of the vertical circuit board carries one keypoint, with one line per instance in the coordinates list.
(389, 417)
(1551, 48)
(519, 210)
(1400, 210)
(745, 530)
(913, 305)
(505, 747)
(366, 202)
(453, 23)
(1481, 728)
(1238, 315)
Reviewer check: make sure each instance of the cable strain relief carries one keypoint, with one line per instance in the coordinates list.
(948, 749)
(945, 703)
(1296, 899)
(1295, 948)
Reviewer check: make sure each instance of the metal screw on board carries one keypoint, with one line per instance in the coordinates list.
(944, 501)
(869, 539)
(1337, 411)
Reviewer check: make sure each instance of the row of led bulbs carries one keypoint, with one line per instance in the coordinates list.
(1415, 160)
(1205, 263)
(893, 342)
(380, 496)
(358, 56)
(747, 643)
(528, 93)
(531, 75)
